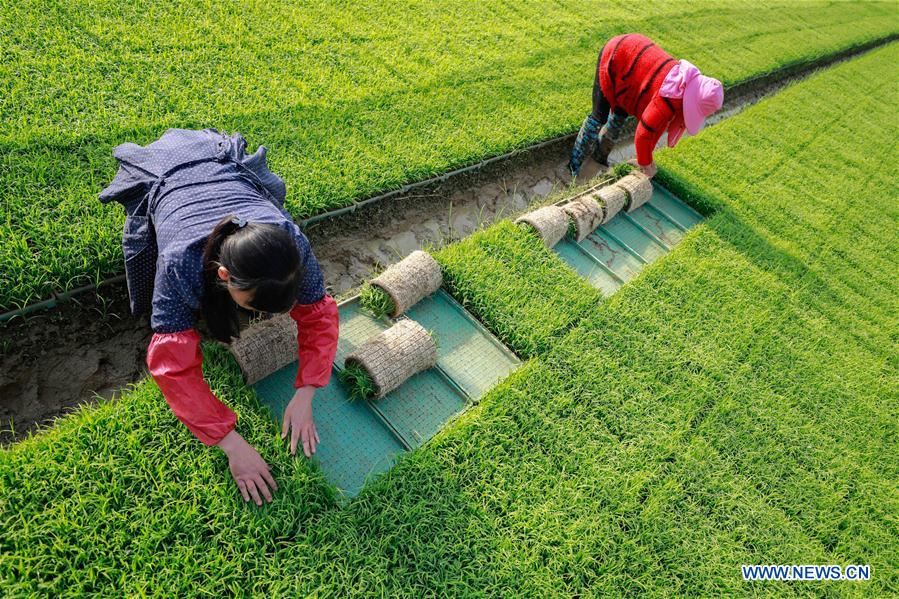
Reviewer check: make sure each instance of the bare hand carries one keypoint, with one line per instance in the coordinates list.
(649, 170)
(299, 422)
(249, 470)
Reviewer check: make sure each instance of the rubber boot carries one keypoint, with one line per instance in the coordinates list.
(603, 148)
(583, 145)
(608, 136)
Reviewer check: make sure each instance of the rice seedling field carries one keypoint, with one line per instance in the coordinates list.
(350, 98)
(735, 403)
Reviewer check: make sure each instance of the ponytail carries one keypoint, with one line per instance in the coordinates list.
(260, 258)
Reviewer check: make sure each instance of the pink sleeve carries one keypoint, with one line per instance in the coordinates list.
(317, 329)
(175, 362)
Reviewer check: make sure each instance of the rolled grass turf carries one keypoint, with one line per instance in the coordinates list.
(638, 188)
(349, 102)
(550, 223)
(734, 404)
(613, 198)
(586, 214)
(409, 281)
(265, 347)
(390, 359)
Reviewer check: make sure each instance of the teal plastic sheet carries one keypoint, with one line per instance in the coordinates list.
(355, 443)
(361, 439)
(674, 209)
(592, 268)
(657, 225)
(470, 356)
(636, 240)
(618, 250)
(419, 408)
(613, 254)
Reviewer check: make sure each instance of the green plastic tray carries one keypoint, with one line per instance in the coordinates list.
(617, 251)
(360, 439)
(589, 266)
(467, 353)
(615, 256)
(355, 443)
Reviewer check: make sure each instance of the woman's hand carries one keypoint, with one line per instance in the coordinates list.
(649, 170)
(298, 420)
(249, 470)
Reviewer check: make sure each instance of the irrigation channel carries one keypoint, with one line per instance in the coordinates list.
(87, 345)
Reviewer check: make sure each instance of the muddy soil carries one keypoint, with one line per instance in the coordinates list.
(355, 246)
(52, 361)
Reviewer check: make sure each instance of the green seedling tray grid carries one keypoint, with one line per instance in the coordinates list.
(465, 348)
(355, 442)
(361, 439)
(615, 252)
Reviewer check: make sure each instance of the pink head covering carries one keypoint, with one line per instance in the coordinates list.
(702, 96)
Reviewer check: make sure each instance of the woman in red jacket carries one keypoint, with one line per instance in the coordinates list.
(636, 77)
(206, 232)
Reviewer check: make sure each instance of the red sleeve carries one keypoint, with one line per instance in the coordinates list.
(653, 122)
(175, 362)
(317, 328)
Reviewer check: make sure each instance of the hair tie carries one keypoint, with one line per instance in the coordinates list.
(240, 221)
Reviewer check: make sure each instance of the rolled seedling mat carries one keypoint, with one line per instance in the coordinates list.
(638, 188)
(550, 222)
(395, 355)
(266, 347)
(586, 213)
(410, 280)
(613, 199)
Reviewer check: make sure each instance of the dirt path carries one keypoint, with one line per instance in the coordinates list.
(357, 245)
(54, 360)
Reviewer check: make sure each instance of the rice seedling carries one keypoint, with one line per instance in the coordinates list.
(622, 169)
(358, 381)
(516, 286)
(376, 301)
(697, 420)
(387, 91)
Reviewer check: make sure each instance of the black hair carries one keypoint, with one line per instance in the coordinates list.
(261, 258)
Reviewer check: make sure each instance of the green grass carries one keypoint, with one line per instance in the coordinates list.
(736, 403)
(766, 341)
(358, 380)
(622, 169)
(518, 287)
(376, 301)
(350, 99)
(120, 487)
(572, 229)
